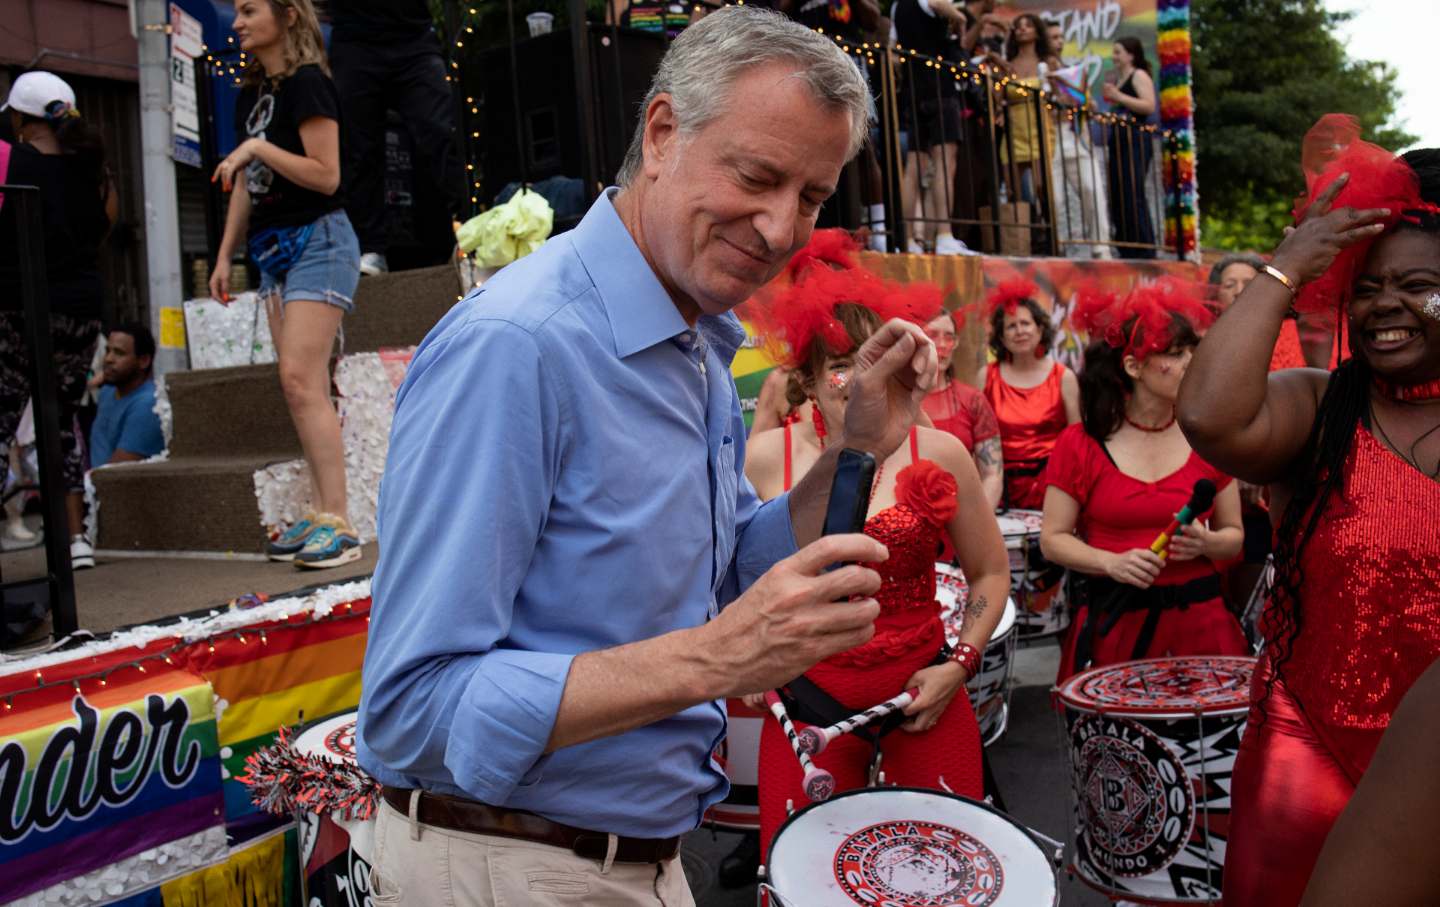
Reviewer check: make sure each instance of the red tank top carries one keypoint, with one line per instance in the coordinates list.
(912, 530)
(1030, 418)
(1370, 594)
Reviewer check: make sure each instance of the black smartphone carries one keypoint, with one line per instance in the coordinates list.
(850, 493)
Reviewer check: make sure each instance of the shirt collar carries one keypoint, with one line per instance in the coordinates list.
(640, 312)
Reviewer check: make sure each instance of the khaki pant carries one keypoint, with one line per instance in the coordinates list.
(424, 866)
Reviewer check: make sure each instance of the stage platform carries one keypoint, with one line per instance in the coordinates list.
(127, 591)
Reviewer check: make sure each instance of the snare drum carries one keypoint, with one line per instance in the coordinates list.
(990, 689)
(335, 851)
(740, 754)
(906, 847)
(1038, 586)
(1152, 746)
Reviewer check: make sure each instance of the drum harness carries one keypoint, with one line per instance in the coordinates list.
(1109, 600)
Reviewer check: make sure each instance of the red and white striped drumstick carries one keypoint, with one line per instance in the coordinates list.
(814, 740)
(818, 783)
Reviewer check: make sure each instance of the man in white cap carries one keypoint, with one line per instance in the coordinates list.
(65, 158)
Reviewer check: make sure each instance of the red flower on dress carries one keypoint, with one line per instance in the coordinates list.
(928, 490)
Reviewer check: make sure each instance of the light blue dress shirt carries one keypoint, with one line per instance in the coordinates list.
(565, 474)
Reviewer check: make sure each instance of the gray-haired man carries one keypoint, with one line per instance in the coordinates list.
(546, 649)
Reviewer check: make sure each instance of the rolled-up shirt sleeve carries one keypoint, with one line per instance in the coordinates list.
(475, 453)
(763, 535)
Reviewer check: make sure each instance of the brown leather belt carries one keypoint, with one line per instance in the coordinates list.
(473, 817)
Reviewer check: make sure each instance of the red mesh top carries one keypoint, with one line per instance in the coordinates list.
(1119, 512)
(962, 411)
(1370, 593)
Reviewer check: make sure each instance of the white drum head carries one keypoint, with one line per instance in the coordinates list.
(330, 738)
(907, 848)
(1019, 524)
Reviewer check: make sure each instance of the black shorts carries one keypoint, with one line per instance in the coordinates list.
(936, 120)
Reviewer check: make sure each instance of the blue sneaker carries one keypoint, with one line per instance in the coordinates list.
(331, 544)
(293, 539)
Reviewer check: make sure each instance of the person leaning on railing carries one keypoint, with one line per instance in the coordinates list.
(1132, 97)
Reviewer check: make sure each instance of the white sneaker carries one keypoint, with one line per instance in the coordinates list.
(913, 247)
(876, 242)
(373, 263)
(82, 555)
(945, 244)
(17, 531)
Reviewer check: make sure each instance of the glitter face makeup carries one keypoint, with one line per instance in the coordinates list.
(1431, 308)
(839, 379)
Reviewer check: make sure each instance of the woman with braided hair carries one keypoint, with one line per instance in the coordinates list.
(925, 493)
(1350, 458)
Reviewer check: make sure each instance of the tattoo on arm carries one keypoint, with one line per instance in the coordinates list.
(987, 455)
(973, 609)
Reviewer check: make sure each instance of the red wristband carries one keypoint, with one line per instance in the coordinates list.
(968, 657)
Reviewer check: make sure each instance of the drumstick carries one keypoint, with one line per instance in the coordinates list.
(818, 783)
(814, 740)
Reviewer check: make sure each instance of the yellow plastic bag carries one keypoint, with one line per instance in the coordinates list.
(508, 231)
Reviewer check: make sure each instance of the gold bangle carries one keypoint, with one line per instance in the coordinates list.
(1280, 276)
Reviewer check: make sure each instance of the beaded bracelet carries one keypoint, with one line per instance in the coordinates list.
(968, 657)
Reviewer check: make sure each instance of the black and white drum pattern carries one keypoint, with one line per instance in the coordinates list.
(1039, 588)
(1152, 745)
(903, 847)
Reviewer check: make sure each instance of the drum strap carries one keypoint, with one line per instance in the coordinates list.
(1108, 600)
(806, 702)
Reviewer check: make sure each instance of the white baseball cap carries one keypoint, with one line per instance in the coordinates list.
(37, 94)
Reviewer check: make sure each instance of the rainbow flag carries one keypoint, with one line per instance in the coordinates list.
(88, 779)
(279, 673)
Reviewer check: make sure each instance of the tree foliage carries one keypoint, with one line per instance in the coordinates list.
(1265, 71)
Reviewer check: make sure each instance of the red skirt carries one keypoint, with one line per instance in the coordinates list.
(1204, 628)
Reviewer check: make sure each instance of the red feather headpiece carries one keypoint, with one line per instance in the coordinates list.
(1009, 295)
(790, 319)
(1378, 179)
(1144, 322)
(831, 248)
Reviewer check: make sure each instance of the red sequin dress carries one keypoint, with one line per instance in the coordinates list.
(1370, 602)
(1118, 513)
(1030, 418)
(908, 634)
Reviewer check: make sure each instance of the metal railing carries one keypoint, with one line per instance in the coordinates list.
(58, 582)
(1021, 171)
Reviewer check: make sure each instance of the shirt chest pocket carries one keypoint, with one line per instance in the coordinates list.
(726, 483)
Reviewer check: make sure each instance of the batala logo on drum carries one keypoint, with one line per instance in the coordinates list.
(1137, 808)
(341, 741)
(917, 864)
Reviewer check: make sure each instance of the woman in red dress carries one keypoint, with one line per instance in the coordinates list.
(924, 493)
(1117, 479)
(1033, 396)
(963, 411)
(1350, 458)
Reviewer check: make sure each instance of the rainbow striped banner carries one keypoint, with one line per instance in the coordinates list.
(89, 779)
(274, 674)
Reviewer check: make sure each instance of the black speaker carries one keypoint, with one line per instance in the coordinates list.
(548, 138)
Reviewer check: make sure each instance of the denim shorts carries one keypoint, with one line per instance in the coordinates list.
(328, 269)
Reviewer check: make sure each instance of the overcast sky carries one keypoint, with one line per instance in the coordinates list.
(1401, 33)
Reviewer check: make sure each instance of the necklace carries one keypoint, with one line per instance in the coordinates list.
(1149, 429)
(1409, 393)
(1410, 457)
(820, 435)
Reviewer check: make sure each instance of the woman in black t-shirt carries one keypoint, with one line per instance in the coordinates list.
(286, 202)
(64, 157)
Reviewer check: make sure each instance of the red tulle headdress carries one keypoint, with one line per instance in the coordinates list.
(1144, 322)
(1378, 179)
(790, 319)
(1009, 295)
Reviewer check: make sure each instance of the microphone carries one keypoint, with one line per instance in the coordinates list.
(1202, 496)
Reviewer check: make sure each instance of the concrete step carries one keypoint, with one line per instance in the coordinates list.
(237, 411)
(399, 309)
(203, 503)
